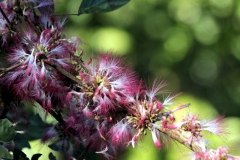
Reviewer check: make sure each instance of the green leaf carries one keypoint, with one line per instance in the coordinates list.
(7, 131)
(21, 141)
(4, 154)
(51, 156)
(56, 147)
(19, 155)
(35, 130)
(46, 118)
(100, 6)
(36, 156)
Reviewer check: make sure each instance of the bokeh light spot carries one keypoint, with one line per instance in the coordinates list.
(112, 39)
(187, 11)
(223, 8)
(206, 30)
(204, 70)
(177, 44)
(155, 23)
(235, 47)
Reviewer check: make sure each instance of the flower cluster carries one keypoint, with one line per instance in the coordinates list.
(99, 104)
(220, 153)
(38, 42)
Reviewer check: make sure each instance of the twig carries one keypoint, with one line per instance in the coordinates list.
(182, 137)
(84, 152)
(69, 75)
(5, 70)
(5, 16)
(66, 14)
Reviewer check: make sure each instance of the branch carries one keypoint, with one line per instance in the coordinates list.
(5, 70)
(182, 137)
(4, 15)
(186, 138)
(70, 76)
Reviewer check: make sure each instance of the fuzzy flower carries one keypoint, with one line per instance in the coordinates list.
(120, 134)
(112, 83)
(148, 113)
(192, 124)
(5, 32)
(35, 78)
(220, 154)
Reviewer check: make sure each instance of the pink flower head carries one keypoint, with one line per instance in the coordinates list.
(35, 78)
(112, 81)
(120, 134)
(209, 154)
(195, 126)
(7, 7)
(192, 124)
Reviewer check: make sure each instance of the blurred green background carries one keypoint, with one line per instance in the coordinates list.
(193, 45)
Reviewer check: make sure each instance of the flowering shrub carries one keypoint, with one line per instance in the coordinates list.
(99, 104)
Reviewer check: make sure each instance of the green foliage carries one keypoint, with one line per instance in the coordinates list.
(21, 141)
(51, 156)
(56, 147)
(4, 154)
(100, 6)
(35, 130)
(19, 155)
(36, 156)
(7, 131)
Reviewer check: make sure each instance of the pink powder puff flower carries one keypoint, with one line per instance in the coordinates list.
(195, 126)
(209, 154)
(112, 81)
(120, 134)
(5, 32)
(146, 112)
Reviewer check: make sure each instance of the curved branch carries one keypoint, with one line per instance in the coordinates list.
(186, 139)
(5, 70)
(70, 76)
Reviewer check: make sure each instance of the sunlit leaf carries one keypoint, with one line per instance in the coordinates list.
(7, 131)
(100, 6)
(4, 154)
